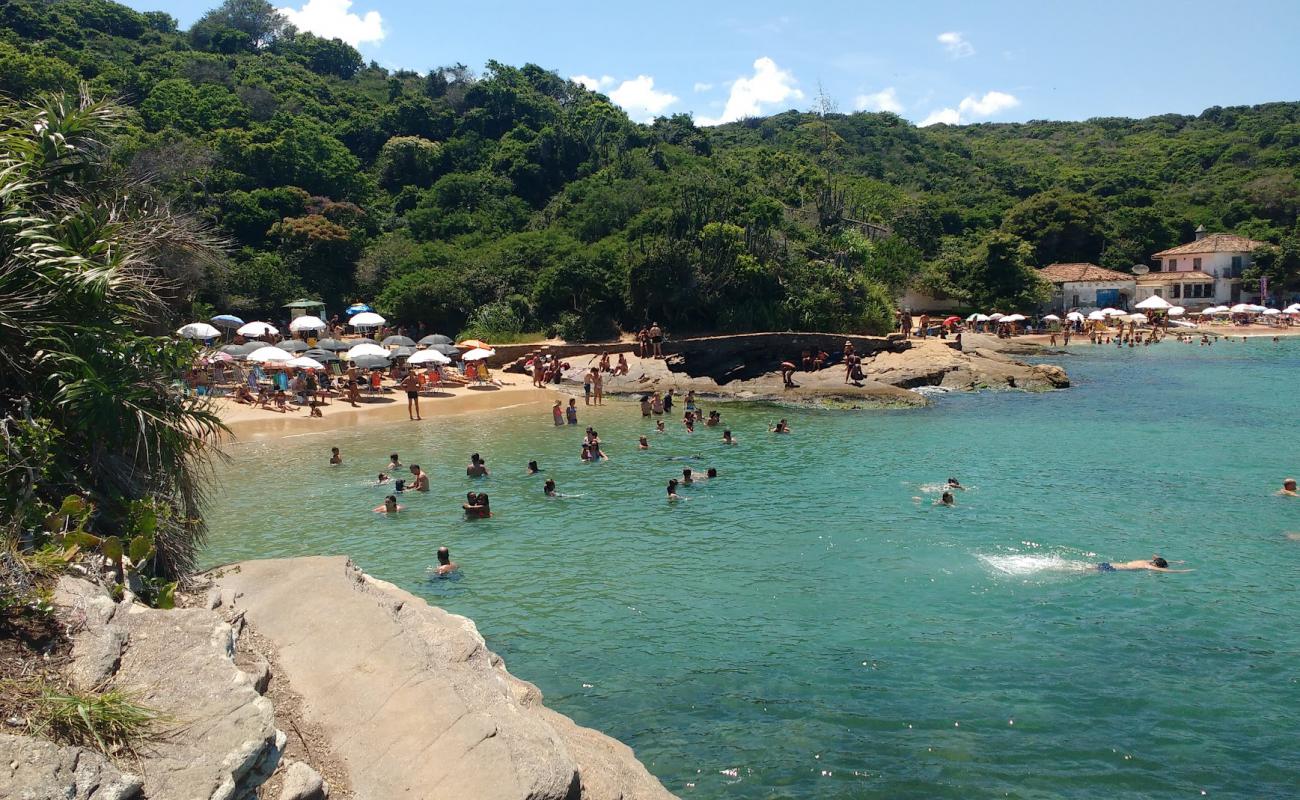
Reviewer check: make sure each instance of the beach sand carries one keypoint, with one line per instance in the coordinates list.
(247, 423)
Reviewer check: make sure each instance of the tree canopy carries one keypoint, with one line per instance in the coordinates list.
(437, 194)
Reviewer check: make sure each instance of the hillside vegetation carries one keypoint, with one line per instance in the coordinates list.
(512, 199)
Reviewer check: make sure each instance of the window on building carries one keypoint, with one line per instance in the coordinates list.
(1174, 291)
(1173, 265)
(1159, 293)
(1236, 267)
(1196, 263)
(1074, 302)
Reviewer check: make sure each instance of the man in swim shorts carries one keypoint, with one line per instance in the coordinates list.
(411, 384)
(1155, 564)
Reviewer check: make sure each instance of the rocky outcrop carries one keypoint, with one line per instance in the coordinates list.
(220, 741)
(410, 697)
(964, 370)
(34, 769)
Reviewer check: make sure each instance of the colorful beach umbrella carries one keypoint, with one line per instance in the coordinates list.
(226, 321)
(475, 344)
(357, 308)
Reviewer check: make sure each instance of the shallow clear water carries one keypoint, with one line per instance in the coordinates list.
(807, 625)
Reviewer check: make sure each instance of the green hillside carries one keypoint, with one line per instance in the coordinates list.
(513, 200)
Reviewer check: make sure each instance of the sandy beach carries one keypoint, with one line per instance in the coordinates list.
(247, 423)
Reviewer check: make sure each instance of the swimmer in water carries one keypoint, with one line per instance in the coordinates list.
(382, 479)
(946, 500)
(393, 463)
(335, 457)
(1288, 488)
(780, 427)
(672, 490)
(549, 488)
(421, 481)
(1155, 564)
(477, 467)
(390, 505)
(533, 469)
(659, 426)
(712, 473)
(687, 480)
(445, 564)
(476, 506)
(954, 484)
(727, 438)
(643, 444)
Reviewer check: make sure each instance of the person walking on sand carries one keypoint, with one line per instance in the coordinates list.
(657, 340)
(598, 387)
(411, 385)
(587, 381)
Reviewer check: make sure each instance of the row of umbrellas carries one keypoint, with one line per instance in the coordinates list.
(255, 330)
(366, 354)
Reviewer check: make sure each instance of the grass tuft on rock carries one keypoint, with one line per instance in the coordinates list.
(109, 722)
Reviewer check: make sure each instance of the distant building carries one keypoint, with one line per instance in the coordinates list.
(1204, 272)
(918, 302)
(1088, 286)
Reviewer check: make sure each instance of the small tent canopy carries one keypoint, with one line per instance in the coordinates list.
(300, 307)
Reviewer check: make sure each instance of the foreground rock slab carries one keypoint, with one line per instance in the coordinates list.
(219, 740)
(412, 699)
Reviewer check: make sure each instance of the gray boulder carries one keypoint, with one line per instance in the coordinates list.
(301, 782)
(34, 769)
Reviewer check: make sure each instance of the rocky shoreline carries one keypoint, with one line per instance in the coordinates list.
(739, 368)
(379, 695)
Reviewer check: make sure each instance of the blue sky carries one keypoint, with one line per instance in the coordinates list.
(927, 61)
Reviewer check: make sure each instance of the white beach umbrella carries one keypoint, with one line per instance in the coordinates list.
(478, 354)
(1113, 312)
(366, 319)
(1013, 318)
(1051, 318)
(972, 317)
(1075, 316)
(994, 317)
(307, 323)
(1294, 308)
(1097, 316)
(428, 357)
(268, 355)
(1177, 311)
(1242, 308)
(1219, 310)
(1154, 303)
(1271, 312)
(981, 318)
(257, 329)
(366, 349)
(303, 362)
(198, 330)
(1136, 318)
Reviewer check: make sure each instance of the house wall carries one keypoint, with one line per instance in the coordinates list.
(916, 302)
(1063, 296)
(1216, 265)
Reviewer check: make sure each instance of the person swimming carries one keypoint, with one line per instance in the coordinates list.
(687, 480)
(390, 505)
(382, 479)
(672, 490)
(712, 472)
(727, 438)
(394, 462)
(477, 467)
(335, 457)
(445, 564)
(421, 481)
(953, 483)
(780, 427)
(476, 506)
(533, 469)
(549, 488)
(1288, 488)
(643, 443)
(659, 426)
(1155, 564)
(947, 500)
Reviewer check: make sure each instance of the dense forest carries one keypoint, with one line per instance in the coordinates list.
(511, 200)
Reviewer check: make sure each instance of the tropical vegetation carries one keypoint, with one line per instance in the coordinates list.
(516, 196)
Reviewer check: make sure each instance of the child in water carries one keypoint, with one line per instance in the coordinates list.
(390, 505)
(557, 413)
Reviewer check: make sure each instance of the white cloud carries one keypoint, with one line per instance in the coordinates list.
(333, 19)
(594, 84)
(883, 100)
(640, 99)
(972, 108)
(768, 85)
(703, 87)
(956, 44)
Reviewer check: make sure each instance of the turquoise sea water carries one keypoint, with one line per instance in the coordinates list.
(803, 627)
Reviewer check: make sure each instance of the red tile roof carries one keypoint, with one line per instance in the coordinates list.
(1214, 243)
(1193, 276)
(1074, 273)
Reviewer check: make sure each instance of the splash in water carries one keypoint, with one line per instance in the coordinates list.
(1021, 564)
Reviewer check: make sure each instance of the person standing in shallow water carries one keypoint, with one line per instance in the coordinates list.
(445, 565)
(335, 457)
(571, 413)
